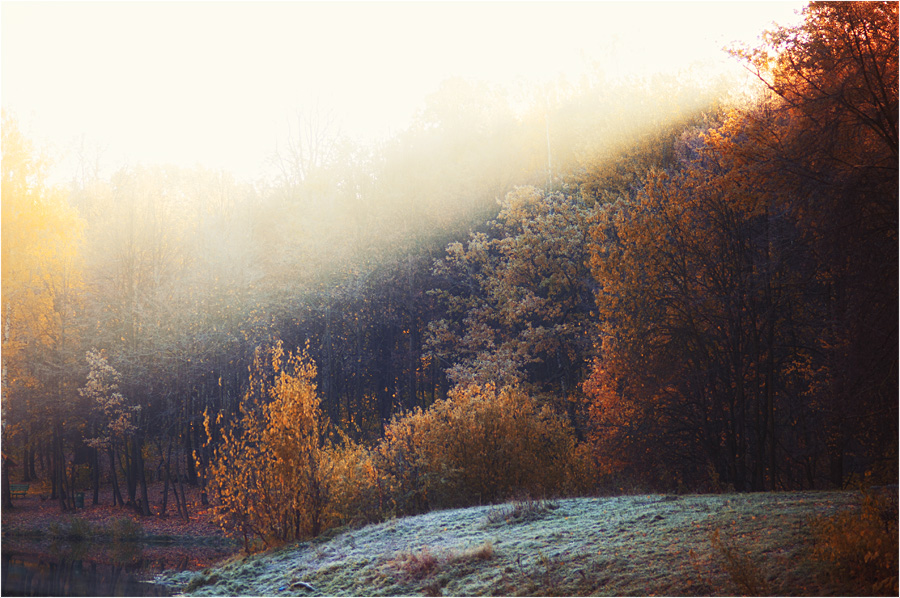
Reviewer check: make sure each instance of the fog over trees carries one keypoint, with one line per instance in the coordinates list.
(654, 283)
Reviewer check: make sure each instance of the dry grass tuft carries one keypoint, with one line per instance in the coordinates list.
(482, 552)
(425, 563)
(417, 565)
(520, 511)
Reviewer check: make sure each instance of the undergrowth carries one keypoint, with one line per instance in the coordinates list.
(417, 565)
(544, 579)
(859, 547)
(76, 529)
(204, 578)
(124, 530)
(743, 571)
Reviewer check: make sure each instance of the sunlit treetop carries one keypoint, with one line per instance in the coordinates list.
(845, 54)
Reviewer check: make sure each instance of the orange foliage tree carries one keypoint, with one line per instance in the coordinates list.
(699, 304)
(270, 471)
(834, 139)
(748, 293)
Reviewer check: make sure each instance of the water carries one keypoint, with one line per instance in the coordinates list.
(93, 569)
(40, 575)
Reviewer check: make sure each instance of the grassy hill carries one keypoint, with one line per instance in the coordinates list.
(629, 545)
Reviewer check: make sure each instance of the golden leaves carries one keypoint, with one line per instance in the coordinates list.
(271, 471)
(480, 443)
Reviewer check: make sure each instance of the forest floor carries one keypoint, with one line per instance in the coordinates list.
(726, 544)
(39, 522)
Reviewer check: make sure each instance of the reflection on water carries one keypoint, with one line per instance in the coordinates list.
(93, 569)
(44, 575)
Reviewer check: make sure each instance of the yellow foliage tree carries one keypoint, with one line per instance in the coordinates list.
(270, 474)
(42, 283)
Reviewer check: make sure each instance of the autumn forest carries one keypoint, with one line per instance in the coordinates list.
(642, 285)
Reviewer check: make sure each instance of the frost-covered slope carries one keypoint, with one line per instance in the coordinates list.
(635, 545)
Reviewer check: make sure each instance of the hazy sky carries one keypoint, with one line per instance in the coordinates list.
(216, 83)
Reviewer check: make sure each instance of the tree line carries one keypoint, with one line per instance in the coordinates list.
(681, 292)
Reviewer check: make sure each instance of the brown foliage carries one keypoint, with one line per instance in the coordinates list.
(860, 547)
(748, 293)
(479, 445)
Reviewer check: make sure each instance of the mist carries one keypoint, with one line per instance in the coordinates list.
(356, 155)
(317, 267)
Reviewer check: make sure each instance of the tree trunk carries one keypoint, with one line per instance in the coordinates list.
(131, 468)
(42, 454)
(59, 467)
(114, 479)
(26, 445)
(144, 505)
(7, 495)
(183, 510)
(95, 475)
(189, 447)
(165, 496)
(29, 465)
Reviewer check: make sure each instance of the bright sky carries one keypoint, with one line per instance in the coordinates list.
(217, 83)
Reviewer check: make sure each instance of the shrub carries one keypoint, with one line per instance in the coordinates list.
(75, 529)
(125, 530)
(859, 547)
(480, 445)
(425, 562)
(357, 496)
(277, 475)
(413, 478)
(201, 579)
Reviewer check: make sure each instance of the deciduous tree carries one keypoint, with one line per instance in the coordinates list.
(270, 473)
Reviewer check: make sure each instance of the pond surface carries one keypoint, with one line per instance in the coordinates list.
(41, 568)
